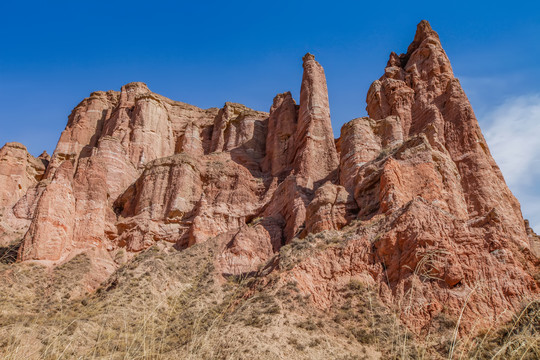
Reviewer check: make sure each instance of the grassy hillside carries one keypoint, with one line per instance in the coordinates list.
(166, 304)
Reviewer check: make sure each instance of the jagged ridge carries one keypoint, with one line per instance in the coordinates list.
(421, 208)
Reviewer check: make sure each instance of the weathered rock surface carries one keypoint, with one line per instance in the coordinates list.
(534, 240)
(316, 159)
(109, 139)
(50, 236)
(280, 145)
(408, 199)
(419, 87)
(443, 231)
(19, 172)
(332, 208)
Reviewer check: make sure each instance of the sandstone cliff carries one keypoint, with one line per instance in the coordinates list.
(20, 172)
(408, 200)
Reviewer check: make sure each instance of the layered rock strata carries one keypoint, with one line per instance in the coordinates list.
(410, 195)
(440, 231)
(20, 172)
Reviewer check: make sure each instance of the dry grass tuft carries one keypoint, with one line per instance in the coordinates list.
(166, 304)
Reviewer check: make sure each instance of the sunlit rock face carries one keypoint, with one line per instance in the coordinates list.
(440, 231)
(408, 199)
(20, 173)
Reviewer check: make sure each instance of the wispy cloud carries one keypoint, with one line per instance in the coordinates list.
(513, 134)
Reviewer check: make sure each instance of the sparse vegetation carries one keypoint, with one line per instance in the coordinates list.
(255, 221)
(8, 253)
(519, 339)
(160, 305)
(169, 304)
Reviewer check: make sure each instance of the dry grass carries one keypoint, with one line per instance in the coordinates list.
(173, 305)
(8, 253)
(519, 339)
(159, 306)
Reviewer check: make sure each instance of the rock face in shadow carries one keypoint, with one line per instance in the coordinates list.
(408, 199)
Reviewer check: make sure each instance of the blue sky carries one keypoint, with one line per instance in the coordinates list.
(54, 53)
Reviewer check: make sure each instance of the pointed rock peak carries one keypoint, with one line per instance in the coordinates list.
(279, 139)
(44, 158)
(237, 107)
(308, 57)
(44, 155)
(284, 100)
(233, 105)
(280, 98)
(316, 155)
(132, 90)
(423, 28)
(394, 60)
(230, 109)
(423, 32)
(283, 95)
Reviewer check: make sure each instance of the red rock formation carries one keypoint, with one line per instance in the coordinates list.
(420, 88)
(445, 232)
(19, 172)
(218, 192)
(435, 227)
(85, 125)
(156, 205)
(242, 132)
(534, 240)
(362, 140)
(50, 236)
(332, 208)
(280, 143)
(108, 140)
(186, 200)
(315, 159)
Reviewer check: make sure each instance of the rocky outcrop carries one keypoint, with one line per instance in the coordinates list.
(315, 159)
(109, 139)
(362, 140)
(420, 172)
(50, 236)
(186, 200)
(280, 145)
(408, 200)
(20, 172)
(332, 208)
(534, 241)
(419, 87)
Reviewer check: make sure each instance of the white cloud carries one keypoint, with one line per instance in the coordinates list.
(513, 136)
